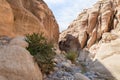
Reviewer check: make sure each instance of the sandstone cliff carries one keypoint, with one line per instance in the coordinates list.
(98, 32)
(20, 17)
(90, 25)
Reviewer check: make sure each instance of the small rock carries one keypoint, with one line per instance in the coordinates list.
(54, 64)
(65, 64)
(79, 76)
(64, 76)
(56, 68)
(55, 60)
(91, 75)
(69, 61)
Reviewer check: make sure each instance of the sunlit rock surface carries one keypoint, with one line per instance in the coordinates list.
(27, 16)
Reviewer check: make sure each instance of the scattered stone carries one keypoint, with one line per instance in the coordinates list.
(79, 76)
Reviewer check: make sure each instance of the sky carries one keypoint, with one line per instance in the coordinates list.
(65, 11)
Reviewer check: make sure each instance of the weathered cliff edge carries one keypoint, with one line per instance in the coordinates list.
(93, 22)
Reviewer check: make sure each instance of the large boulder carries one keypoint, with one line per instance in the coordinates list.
(16, 63)
(27, 16)
(69, 43)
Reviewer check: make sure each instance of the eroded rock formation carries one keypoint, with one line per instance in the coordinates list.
(27, 16)
(98, 31)
(93, 22)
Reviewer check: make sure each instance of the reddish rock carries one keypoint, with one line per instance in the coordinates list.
(27, 16)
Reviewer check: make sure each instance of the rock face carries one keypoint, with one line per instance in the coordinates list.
(108, 54)
(27, 16)
(93, 22)
(98, 31)
(16, 63)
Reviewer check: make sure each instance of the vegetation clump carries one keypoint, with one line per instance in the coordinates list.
(71, 55)
(41, 50)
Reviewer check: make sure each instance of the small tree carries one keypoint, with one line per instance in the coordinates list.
(41, 50)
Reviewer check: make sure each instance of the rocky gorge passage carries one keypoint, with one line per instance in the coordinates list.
(94, 35)
(98, 32)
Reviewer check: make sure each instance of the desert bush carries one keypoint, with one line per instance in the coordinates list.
(71, 55)
(41, 50)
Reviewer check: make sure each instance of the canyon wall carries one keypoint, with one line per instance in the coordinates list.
(27, 16)
(18, 18)
(98, 31)
(90, 24)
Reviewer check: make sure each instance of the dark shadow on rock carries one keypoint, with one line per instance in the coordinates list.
(95, 70)
(69, 43)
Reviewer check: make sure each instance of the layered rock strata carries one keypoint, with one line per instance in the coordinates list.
(93, 22)
(27, 16)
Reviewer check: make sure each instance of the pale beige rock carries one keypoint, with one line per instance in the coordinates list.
(108, 57)
(98, 30)
(92, 39)
(79, 76)
(20, 41)
(101, 18)
(115, 23)
(92, 20)
(3, 78)
(112, 48)
(107, 37)
(118, 13)
(93, 50)
(16, 63)
(113, 64)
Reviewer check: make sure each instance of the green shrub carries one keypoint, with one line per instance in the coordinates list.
(41, 50)
(71, 55)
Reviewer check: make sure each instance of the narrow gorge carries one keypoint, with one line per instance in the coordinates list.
(89, 49)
